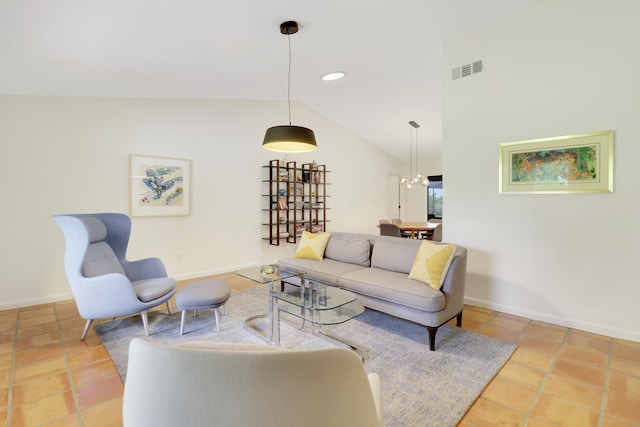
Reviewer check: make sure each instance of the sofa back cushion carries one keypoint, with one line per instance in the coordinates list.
(349, 250)
(394, 253)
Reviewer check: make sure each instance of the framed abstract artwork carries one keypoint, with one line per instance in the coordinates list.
(159, 186)
(564, 164)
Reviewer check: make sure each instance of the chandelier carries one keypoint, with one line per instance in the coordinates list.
(418, 179)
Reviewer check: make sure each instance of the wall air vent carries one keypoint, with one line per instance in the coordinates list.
(477, 67)
(466, 70)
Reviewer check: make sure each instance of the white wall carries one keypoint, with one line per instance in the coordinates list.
(70, 155)
(560, 67)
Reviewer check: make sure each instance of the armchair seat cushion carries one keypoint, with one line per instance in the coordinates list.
(151, 289)
(393, 287)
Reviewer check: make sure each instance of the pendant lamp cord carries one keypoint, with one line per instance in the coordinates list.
(289, 78)
(411, 165)
(417, 150)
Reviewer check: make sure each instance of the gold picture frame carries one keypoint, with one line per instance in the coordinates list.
(565, 164)
(159, 186)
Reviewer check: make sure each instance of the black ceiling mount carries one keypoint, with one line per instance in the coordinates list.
(289, 27)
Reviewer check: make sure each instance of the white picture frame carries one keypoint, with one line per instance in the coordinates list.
(159, 186)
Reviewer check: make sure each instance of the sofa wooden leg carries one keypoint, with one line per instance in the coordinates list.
(432, 337)
(459, 319)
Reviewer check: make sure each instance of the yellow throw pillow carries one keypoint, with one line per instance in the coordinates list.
(431, 263)
(312, 245)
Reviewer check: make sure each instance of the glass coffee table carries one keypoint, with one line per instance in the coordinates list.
(309, 300)
(274, 278)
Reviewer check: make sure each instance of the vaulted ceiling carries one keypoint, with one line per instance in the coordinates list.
(223, 49)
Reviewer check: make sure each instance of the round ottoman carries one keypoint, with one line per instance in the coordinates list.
(205, 294)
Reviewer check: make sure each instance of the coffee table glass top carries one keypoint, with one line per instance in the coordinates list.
(257, 275)
(318, 303)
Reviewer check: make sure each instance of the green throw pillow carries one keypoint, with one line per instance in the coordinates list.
(431, 263)
(312, 245)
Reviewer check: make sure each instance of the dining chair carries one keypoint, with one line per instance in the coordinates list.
(390, 230)
(398, 221)
(437, 233)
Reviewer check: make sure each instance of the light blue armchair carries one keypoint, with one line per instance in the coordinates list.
(103, 282)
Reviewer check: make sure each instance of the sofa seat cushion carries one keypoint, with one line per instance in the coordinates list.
(326, 271)
(393, 287)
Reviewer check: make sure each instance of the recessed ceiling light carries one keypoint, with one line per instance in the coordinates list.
(333, 76)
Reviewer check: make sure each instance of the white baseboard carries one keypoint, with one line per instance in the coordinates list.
(36, 301)
(625, 334)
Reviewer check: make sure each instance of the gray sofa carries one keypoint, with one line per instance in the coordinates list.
(376, 269)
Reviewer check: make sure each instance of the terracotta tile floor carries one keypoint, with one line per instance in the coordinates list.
(557, 377)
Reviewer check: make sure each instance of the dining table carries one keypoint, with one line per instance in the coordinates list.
(416, 227)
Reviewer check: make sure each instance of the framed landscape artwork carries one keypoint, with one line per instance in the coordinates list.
(564, 164)
(159, 186)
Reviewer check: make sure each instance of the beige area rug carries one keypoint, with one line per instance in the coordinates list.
(420, 387)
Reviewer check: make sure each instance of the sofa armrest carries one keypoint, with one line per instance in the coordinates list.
(454, 283)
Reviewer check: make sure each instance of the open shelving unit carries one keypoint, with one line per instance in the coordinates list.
(296, 198)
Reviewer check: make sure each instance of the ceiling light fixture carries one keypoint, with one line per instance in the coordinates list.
(336, 75)
(288, 138)
(418, 178)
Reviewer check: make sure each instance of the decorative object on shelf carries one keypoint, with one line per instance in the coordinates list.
(288, 138)
(282, 203)
(282, 191)
(159, 186)
(564, 164)
(418, 178)
(296, 189)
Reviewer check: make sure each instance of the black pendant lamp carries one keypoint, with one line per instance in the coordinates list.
(288, 138)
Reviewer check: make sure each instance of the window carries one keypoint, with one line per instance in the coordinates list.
(434, 197)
